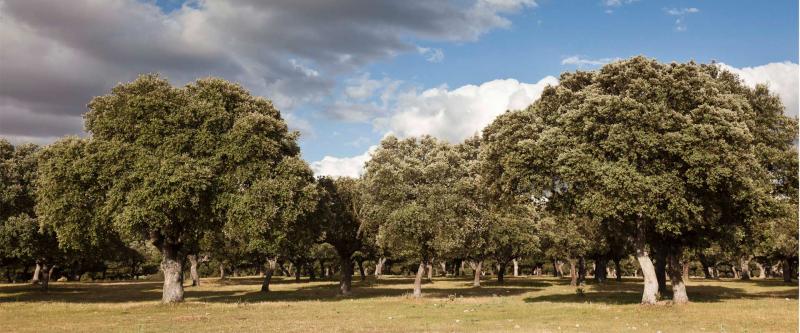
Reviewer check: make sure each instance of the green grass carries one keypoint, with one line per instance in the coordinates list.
(449, 305)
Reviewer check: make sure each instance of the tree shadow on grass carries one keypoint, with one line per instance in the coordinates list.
(630, 292)
(213, 290)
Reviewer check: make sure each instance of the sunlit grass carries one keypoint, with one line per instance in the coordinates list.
(521, 304)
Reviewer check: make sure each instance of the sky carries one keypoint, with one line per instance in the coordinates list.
(347, 73)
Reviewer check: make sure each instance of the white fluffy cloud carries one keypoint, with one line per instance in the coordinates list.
(780, 77)
(456, 114)
(342, 166)
(580, 61)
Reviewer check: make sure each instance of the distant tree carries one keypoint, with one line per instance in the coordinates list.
(409, 195)
(344, 212)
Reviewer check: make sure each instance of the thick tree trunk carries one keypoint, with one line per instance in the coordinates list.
(345, 275)
(36, 272)
(297, 272)
(679, 295)
(501, 273)
(379, 267)
(573, 272)
(600, 266)
(268, 271)
(222, 271)
(617, 270)
(516, 267)
(418, 280)
(762, 273)
(312, 272)
(648, 270)
(744, 265)
(172, 267)
(193, 270)
(787, 270)
(476, 281)
(443, 266)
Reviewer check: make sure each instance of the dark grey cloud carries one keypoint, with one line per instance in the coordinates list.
(56, 55)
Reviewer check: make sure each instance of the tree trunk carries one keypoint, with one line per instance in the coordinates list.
(787, 270)
(172, 267)
(193, 270)
(443, 265)
(36, 272)
(516, 268)
(476, 282)
(648, 270)
(617, 270)
(679, 295)
(573, 272)
(600, 266)
(418, 280)
(45, 272)
(222, 271)
(581, 271)
(744, 265)
(345, 274)
(268, 271)
(297, 272)
(429, 271)
(762, 273)
(734, 270)
(661, 271)
(501, 272)
(707, 273)
(379, 267)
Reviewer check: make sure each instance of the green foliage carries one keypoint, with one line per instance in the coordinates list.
(409, 193)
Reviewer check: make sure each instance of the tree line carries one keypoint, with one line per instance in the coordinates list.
(655, 168)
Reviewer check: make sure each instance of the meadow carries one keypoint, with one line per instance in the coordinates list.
(522, 304)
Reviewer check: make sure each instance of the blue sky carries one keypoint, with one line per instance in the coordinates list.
(347, 73)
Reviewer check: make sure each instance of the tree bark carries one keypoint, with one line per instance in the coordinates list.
(707, 273)
(297, 272)
(581, 271)
(36, 272)
(345, 275)
(744, 265)
(379, 267)
(661, 271)
(222, 271)
(601, 263)
(443, 265)
(476, 281)
(679, 295)
(617, 270)
(172, 267)
(45, 272)
(418, 280)
(685, 266)
(648, 270)
(268, 271)
(429, 270)
(361, 270)
(193, 270)
(516, 267)
(501, 273)
(573, 272)
(787, 270)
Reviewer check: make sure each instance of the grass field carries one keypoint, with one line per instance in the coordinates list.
(449, 305)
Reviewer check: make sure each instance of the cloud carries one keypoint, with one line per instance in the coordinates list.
(584, 62)
(457, 114)
(780, 77)
(431, 55)
(344, 166)
(616, 3)
(58, 55)
(681, 13)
